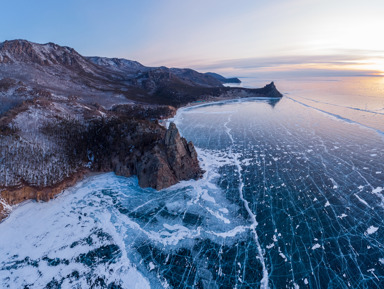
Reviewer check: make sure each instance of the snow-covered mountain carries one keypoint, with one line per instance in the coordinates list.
(22, 51)
(62, 71)
(118, 64)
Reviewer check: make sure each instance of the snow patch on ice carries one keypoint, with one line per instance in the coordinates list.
(377, 190)
(151, 266)
(316, 246)
(270, 246)
(372, 230)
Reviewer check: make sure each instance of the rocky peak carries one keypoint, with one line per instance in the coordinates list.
(23, 51)
(172, 135)
(121, 64)
(169, 162)
(178, 144)
(182, 156)
(270, 90)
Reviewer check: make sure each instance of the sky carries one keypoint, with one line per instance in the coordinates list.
(235, 38)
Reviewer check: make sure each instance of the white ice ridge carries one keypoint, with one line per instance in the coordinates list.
(265, 280)
(339, 117)
(231, 233)
(343, 106)
(362, 201)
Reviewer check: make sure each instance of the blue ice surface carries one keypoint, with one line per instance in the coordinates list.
(292, 197)
(314, 182)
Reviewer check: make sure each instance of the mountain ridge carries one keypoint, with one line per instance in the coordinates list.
(223, 79)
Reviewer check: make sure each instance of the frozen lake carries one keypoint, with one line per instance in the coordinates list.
(292, 197)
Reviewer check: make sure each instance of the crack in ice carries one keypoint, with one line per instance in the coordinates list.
(265, 280)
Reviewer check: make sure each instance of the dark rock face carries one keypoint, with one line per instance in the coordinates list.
(181, 156)
(166, 160)
(160, 159)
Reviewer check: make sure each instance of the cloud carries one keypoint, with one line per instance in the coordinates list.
(311, 73)
(342, 63)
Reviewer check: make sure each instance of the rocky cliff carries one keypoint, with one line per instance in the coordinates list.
(48, 146)
(63, 115)
(170, 160)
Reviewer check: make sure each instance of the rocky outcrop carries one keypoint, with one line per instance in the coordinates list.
(170, 161)
(126, 143)
(158, 157)
(270, 90)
